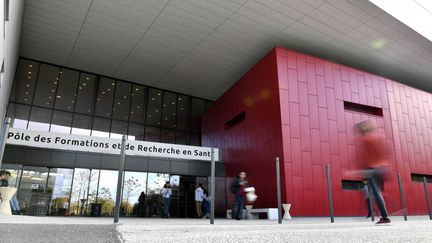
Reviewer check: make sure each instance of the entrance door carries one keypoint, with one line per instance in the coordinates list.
(32, 194)
(183, 197)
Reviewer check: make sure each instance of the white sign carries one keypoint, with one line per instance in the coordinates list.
(107, 145)
(34, 186)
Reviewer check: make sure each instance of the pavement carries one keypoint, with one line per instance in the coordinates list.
(84, 229)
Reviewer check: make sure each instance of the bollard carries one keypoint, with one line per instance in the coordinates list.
(402, 197)
(427, 198)
(330, 195)
(278, 188)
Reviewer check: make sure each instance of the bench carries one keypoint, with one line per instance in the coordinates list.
(272, 213)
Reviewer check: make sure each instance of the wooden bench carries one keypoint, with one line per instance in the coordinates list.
(272, 213)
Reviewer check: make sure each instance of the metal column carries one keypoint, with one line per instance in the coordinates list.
(3, 137)
(212, 187)
(120, 181)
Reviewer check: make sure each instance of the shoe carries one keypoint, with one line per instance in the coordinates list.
(383, 222)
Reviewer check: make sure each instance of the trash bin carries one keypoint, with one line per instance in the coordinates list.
(96, 209)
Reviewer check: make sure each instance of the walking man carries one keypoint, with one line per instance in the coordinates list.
(373, 158)
(166, 195)
(237, 188)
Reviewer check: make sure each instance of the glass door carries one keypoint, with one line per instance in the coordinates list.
(32, 194)
(84, 190)
(59, 184)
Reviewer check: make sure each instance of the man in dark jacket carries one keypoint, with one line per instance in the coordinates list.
(237, 188)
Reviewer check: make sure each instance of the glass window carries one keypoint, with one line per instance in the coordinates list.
(15, 171)
(46, 86)
(138, 103)
(66, 91)
(81, 124)
(135, 132)
(25, 81)
(118, 129)
(155, 182)
(169, 108)
(101, 127)
(105, 96)
(195, 139)
(152, 134)
(134, 187)
(61, 122)
(182, 138)
(84, 188)
(154, 107)
(122, 101)
(40, 119)
(59, 184)
(32, 186)
(198, 108)
(86, 94)
(183, 113)
(107, 191)
(168, 136)
(19, 115)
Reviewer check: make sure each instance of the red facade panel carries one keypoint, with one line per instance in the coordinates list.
(305, 123)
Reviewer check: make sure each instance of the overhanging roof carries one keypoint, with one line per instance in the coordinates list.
(202, 47)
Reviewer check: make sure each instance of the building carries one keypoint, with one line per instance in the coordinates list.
(189, 72)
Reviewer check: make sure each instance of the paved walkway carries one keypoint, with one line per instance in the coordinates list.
(83, 229)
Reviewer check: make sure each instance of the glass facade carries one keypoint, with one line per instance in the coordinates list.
(62, 191)
(51, 98)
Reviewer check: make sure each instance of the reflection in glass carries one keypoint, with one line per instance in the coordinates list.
(46, 86)
(61, 122)
(168, 136)
(40, 119)
(19, 115)
(32, 196)
(15, 171)
(134, 183)
(101, 127)
(81, 124)
(118, 129)
(25, 81)
(86, 94)
(66, 91)
(155, 182)
(135, 132)
(107, 191)
(182, 138)
(152, 134)
(122, 101)
(169, 107)
(182, 113)
(59, 183)
(105, 97)
(138, 103)
(154, 107)
(198, 108)
(83, 190)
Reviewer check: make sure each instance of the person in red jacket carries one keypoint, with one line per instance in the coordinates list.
(373, 160)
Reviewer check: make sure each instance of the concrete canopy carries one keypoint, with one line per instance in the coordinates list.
(201, 48)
